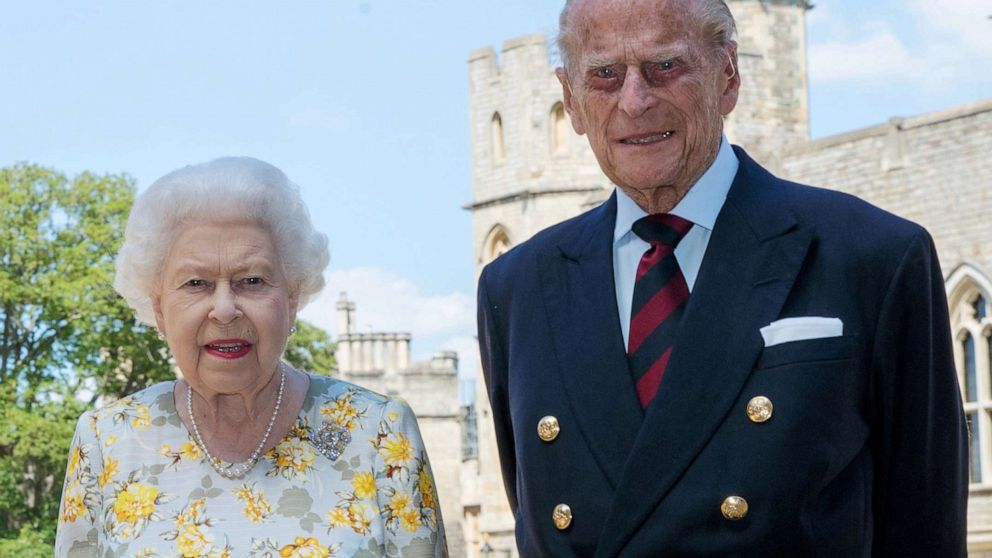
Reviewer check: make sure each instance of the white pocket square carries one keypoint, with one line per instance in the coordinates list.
(799, 329)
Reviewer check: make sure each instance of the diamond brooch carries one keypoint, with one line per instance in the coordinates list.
(331, 440)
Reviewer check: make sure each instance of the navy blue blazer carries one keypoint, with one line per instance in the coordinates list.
(866, 451)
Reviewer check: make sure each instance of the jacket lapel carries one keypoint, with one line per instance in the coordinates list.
(754, 255)
(580, 300)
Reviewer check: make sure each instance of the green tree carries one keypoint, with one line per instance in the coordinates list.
(64, 332)
(310, 349)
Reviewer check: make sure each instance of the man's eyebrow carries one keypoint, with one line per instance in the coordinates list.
(668, 52)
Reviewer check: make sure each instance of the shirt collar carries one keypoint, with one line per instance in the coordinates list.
(701, 204)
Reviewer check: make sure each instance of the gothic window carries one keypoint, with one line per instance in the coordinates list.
(972, 325)
(496, 244)
(559, 129)
(496, 138)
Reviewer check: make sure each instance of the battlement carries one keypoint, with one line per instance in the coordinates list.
(371, 353)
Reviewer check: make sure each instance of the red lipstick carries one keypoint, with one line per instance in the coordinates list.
(228, 348)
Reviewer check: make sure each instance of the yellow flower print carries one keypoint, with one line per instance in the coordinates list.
(75, 458)
(396, 450)
(342, 412)
(410, 520)
(399, 502)
(305, 548)
(111, 440)
(132, 506)
(338, 517)
(355, 516)
(393, 416)
(109, 470)
(192, 539)
(361, 519)
(425, 484)
(364, 485)
(192, 542)
(190, 452)
(147, 552)
(73, 502)
(293, 457)
(135, 503)
(142, 418)
(257, 507)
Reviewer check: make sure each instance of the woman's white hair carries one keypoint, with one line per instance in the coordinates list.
(219, 191)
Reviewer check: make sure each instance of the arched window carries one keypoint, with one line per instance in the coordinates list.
(496, 138)
(559, 129)
(496, 244)
(968, 295)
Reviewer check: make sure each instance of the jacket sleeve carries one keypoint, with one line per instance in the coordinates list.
(496, 374)
(920, 438)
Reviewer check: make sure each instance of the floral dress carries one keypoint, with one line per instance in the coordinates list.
(137, 485)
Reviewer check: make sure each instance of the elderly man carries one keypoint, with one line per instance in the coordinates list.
(715, 362)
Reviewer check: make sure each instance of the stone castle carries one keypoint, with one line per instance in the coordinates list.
(530, 170)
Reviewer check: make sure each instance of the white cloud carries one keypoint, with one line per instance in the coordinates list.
(388, 302)
(958, 22)
(880, 56)
(953, 42)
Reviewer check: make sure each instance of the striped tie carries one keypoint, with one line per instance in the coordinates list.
(660, 294)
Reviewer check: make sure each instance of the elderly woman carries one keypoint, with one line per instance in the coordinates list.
(243, 456)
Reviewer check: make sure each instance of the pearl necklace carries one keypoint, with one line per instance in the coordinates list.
(235, 470)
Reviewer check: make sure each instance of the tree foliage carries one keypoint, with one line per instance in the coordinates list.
(63, 330)
(310, 349)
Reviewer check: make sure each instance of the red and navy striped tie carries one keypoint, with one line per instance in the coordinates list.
(660, 296)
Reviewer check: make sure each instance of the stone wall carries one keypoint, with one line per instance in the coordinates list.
(934, 169)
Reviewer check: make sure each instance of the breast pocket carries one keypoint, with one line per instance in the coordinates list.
(808, 350)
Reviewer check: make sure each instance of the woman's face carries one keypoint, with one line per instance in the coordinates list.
(224, 306)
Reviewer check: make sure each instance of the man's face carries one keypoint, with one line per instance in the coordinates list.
(649, 91)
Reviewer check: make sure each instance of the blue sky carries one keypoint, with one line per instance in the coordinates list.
(364, 103)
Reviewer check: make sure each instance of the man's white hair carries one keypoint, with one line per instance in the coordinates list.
(717, 27)
(219, 191)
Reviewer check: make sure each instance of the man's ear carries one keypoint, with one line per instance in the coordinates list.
(573, 113)
(731, 80)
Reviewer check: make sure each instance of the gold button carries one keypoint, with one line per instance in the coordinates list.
(562, 516)
(734, 508)
(759, 409)
(548, 428)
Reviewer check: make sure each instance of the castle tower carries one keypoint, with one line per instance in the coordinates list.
(772, 111)
(530, 170)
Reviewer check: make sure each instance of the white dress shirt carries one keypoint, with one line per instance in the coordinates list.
(701, 205)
